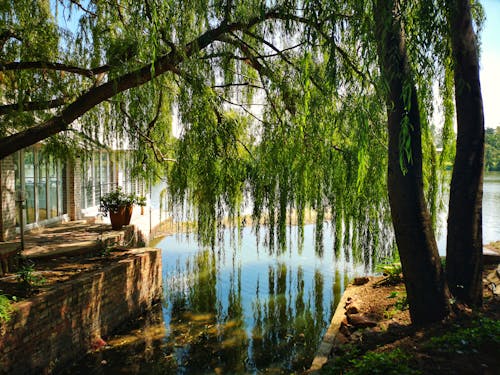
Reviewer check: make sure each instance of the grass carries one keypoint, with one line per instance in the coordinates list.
(395, 362)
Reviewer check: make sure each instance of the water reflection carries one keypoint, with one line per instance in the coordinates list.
(241, 309)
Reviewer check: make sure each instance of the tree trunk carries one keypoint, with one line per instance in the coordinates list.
(464, 260)
(426, 289)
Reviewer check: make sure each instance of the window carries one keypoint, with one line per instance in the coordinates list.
(41, 179)
(53, 188)
(41, 189)
(96, 179)
(29, 185)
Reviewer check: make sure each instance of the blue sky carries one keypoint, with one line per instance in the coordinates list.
(490, 63)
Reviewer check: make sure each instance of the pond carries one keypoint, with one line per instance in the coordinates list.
(491, 212)
(242, 309)
(239, 309)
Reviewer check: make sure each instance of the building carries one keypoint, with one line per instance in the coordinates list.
(56, 191)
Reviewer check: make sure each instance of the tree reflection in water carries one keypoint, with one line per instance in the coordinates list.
(239, 309)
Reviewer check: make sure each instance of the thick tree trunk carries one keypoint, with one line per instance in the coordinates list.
(464, 261)
(426, 289)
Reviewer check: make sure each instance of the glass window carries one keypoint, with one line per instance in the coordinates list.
(88, 183)
(104, 173)
(61, 191)
(29, 185)
(53, 199)
(41, 189)
(97, 176)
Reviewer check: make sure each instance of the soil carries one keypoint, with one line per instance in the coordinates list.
(383, 304)
(47, 273)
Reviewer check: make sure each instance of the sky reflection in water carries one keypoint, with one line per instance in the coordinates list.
(242, 308)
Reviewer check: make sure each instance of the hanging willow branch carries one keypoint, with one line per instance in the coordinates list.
(135, 130)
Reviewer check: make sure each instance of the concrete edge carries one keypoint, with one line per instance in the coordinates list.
(328, 342)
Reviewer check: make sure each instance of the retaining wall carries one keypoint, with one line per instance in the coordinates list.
(48, 331)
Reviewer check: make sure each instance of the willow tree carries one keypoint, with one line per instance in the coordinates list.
(316, 139)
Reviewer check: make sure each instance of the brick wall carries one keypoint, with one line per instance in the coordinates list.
(7, 198)
(73, 190)
(52, 329)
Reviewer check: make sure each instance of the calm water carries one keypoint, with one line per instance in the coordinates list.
(491, 212)
(238, 309)
(243, 309)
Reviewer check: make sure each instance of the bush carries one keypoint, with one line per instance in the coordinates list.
(5, 308)
(392, 272)
(390, 363)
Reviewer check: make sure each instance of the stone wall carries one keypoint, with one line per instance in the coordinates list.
(52, 329)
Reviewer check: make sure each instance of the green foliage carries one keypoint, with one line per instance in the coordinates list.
(392, 272)
(26, 276)
(393, 295)
(492, 149)
(401, 303)
(5, 308)
(395, 362)
(114, 200)
(284, 110)
(482, 334)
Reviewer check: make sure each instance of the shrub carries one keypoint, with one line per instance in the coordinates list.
(392, 272)
(395, 362)
(389, 363)
(5, 308)
(26, 276)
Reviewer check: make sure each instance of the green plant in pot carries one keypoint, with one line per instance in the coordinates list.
(119, 206)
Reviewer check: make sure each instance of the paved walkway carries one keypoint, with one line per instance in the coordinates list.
(83, 236)
(70, 238)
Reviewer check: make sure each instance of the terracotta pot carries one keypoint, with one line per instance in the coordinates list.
(128, 214)
(118, 218)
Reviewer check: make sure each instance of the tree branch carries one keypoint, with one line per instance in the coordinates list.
(247, 84)
(32, 106)
(80, 6)
(242, 106)
(96, 95)
(45, 65)
(5, 35)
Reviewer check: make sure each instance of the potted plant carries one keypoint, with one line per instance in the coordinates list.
(119, 206)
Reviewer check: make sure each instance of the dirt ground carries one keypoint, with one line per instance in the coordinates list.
(44, 274)
(384, 305)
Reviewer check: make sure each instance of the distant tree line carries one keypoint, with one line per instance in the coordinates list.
(492, 149)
